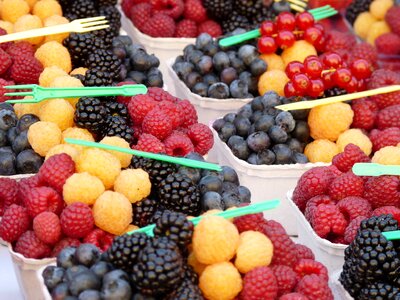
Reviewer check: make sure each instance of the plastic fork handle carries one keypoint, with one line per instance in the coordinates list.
(373, 169)
(240, 38)
(56, 29)
(99, 91)
(392, 235)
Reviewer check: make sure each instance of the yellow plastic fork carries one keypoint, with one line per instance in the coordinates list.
(297, 5)
(79, 25)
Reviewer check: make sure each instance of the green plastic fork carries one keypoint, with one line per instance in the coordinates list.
(318, 14)
(40, 93)
(392, 235)
(227, 214)
(372, 169)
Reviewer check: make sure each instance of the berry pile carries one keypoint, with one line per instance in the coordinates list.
(209, 71)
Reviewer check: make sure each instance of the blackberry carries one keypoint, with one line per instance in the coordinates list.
(96, 77)
(118, 126)
(106, 61)
(191, 275)
(334, 92)
(178, 193)
(159, 268)
(157, 170)
(79, 9)
(91, 114)
(106, 35)
(106, 2)
(113, 16)
(117, 109)
(124, 251)
(79, 76)
(382, 223)
(379, 291)
(263, 15)
(143, 211)
(218, 9)
(235, 21)
(249, 8)
(157, 214)
(187, 290)
(355, 8)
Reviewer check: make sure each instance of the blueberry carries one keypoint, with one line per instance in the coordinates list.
(192, 173)
(300, 114)
(211, 49)
(283, 154)
(217, 174)
(221, 61)
(266, 157)
(217, 125)
(155, 81)
(230, 200)
(277, 134)
(6, 106)
(228, 75)
(281, 6)
(87, 254)
(8, 119)
(230, 175)
(153, 71)
(251, 81)
(124, 39)
(66, 258)
(6, 149)
(60, 292)
(154, 61)
(132, 50)
(183, 69)
(242, 125)
(201, 89)
(195, 156)
(248, 53)
(138, 77)
(230, 117)
(71, 298)
(116, 289)
(218, 90)
(205, 65)
(52, 276)
(210, 184)
(139, 296)
(71, 272)
(122, 73)
(210, 79)
(227, 130)
(256, 104)
(3, 137)
(241, 150)
(257, 67)
(253, 160)
(119, 52)
(187, 50)
(245, 111)
(21, 142)
(295, 145)
(299, 158)
(239, 89)
(90, 295)
(229, 187)
(140, 61)
(101, 268)
(178, 59)
(258, 141)
(302, 131)
(7, 163)
(285, 120)
(194, 57)
(85, 280)
(192, 78)
(270, 99)
(234, 139)
(115, 275)
(29, 162)
(211, 200)
(237, 64)
(244, 194)
(264, 123)
(255, 117)
(203, 40)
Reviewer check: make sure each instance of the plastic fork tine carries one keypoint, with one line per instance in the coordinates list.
(85, 25)
(299, 3)
(16, 94)
(87, 20)
(311, 11)
(94, 28)
(21, 87)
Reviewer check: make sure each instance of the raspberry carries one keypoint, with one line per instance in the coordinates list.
(67, 81)
(26, 70)
(126, 6)
(346, 185)
(77, 220)
(392, 18)
(46, 226)
(159, 25)
(3, 31)
(42, 199)
(158, 94)
(11, 10)
(386, 210)
(178, 144)
(14, 222)
(30, 246)
(388, 43)
(384, 138)
(150, 143)
(258, 284)
(328, 219)
(5, 61)
(249, 222)
(124, 158)
(365, 111)
(124, 99)
(43, 136)
(381, 78)
(171, 8)
(139, 107)
(134, 184)
(351, 230)
(58, 111)
(186, 28)
(352, 207)
(195, 11)
(286, 279)
(352, 154)
(388, 117)
(8, 191)
(157, 123)
(173, 111)
(54, 54)
(25, 184)
(45, 10)
(309, 266)
(321, 150)
(303, 252)
(335, 171)
(340, 40)
(382, 191)
(189, 113)
(313, 203)
(211, 27)
(387, 156)
(22, 48)
(314, 288)
(3, 83)
(64, 243)
(201, 137)
(56, 170)
(293, 296)
(364, 51)
(99, 238)
(140, 14)
(29, 22)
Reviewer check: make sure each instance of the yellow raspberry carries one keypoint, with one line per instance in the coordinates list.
(255, 250)
(77, 133)
(321, 151)
(79, 71)
(54, 54)
(378, 8)
(112, 212)
(101, 164)
(43, 136)
(124, 158)
(363, 23)
(28, 22)
(49, 74)
(197, 266)
(130, 228)
(47, 8)
(67, 81)
(329, 121)
(215, 240)
(53, 21)
(221, 281)
(82, 187)
(299, 51)
(7, 26)
(64, 148)
(376, 30)
(11, 10)
(356, 137)
(28, 108)
(389, 155)
(31, 3)
(274, 61)
(58, 111)
(273, 80)
(134, 184)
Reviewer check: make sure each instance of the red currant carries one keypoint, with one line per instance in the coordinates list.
(327, 78)
(313, 66)
(332, 60)
(320, 44)
(286, 21)
(342, 77)
(301, 82)
(316, 88)
(320, 27)
(304, 20)
(285, 39)
(267, 28)
(362, 85)
(361, 69)
(352, 86)
(312, 35)
(293, 68)
(267, 45)
(289, 90)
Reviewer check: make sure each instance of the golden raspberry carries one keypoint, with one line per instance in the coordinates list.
(112, 212)
(58, 111)
(329, 121)
(197, 266)
(28, 108)
(215, 240)
(11, 10)
(376, 30)
(221, 281)
(47, 8)
(389, 155)
(79, 71)
(124, 158)
(363, 23)
(356, 137)
(299, 51)
(7, 26)
(67, 81)
(77, 133)
(52, 21)
(101, 164)
(31, 3)
(49, 74)
(378, 8)
(255, 250)
(43, 136)
(273, 80)
(134, 184)
(28, 22)
(64, 148)
(82, 187)
(321, 151)
(273, 61)
(54, 54)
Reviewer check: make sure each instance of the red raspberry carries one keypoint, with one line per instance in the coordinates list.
(99, 238)
(386, 210)
(337, 239)
(4, 46)
(309, 266)
(313, 203)
(303, 252)
(352, 207)
(139, 107)
(173, 111)
(389, 117)
(189, 113)
(159, 25)
(8, 191)
(293, 296)
(149, 143)
(352, 154)
(21, 49)
(328, 219)
(64, 243)
(137, 131)
(381, 78)
(286, 279)
(201, 137)
(195, 11)
(186, 29)
(46, 226)
(340, 40)
(384, 138)
(26, 70)
(158, 94)
(140, 14)
(314, 288)
(5, 61)
(31, 247)
(157, 123)
(364, 113)
(365, 51)
(249, 222)
(171, 8)
(346, 185)
(312, 183)
(25, 184)
(14, 222)
(388, 43)
(273, 227)
(351, 230)
(124, 99)
(178, 144)
(382, 191)
(3, 83)
(42, 199)
(259, 284)
(77, 220)
(392, 18)
(335, 171)
(126, 6)
(211, 27)
(56, 170)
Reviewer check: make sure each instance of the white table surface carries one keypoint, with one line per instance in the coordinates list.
(9, 288)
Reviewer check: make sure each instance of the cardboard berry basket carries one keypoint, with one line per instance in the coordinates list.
(338, 290)
(330, 254)
(44, 291)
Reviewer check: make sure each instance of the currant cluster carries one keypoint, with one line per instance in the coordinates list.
(287, 28)
(318, 74)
